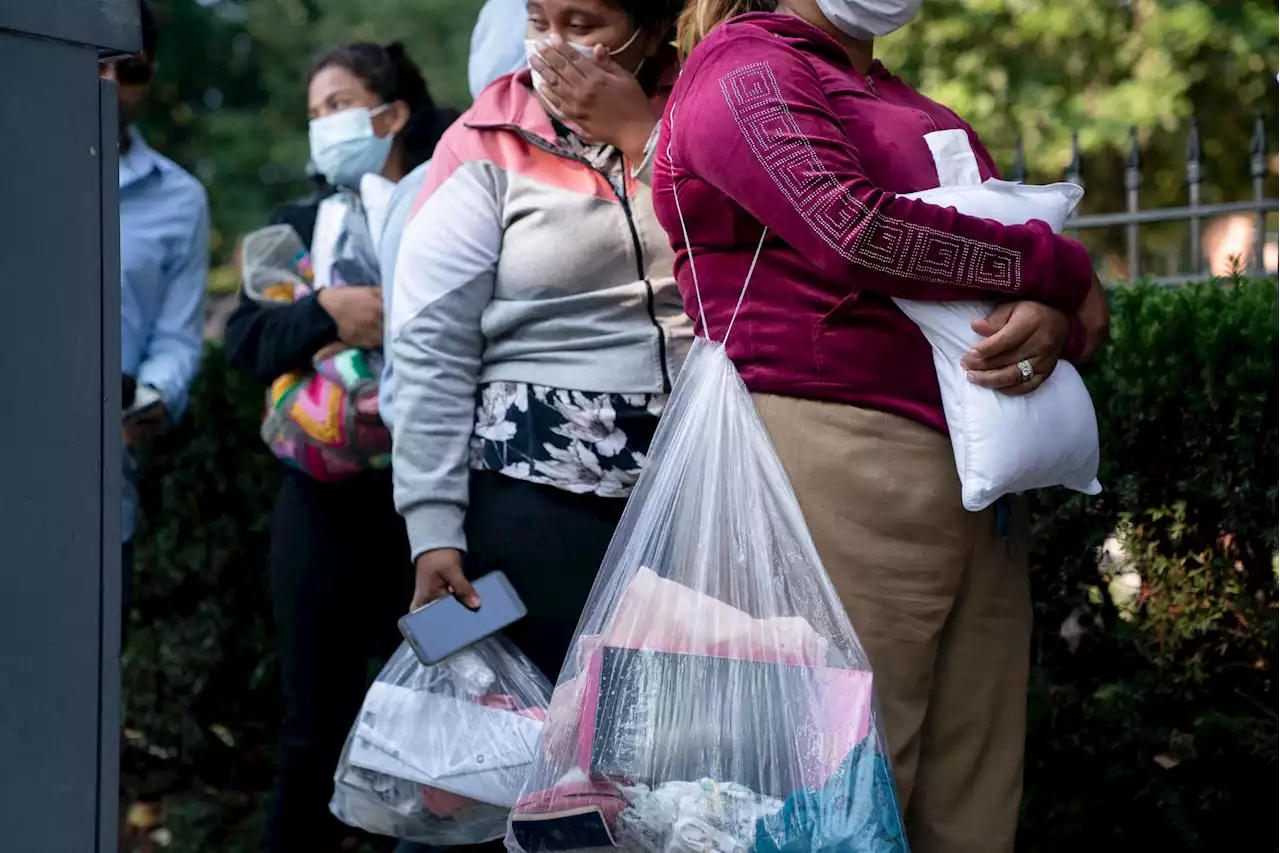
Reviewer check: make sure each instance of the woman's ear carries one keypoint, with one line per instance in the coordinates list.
(394, 119)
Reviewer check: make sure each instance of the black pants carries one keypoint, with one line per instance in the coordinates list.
(340, 578)
(550, 544)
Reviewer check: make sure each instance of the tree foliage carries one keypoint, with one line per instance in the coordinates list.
(230, 103)
(1040, 71)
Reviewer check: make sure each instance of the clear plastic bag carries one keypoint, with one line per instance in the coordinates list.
(275, 266)
(717, 698)
(439, 754)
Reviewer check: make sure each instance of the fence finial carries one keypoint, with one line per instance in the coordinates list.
(1194, 158)
(1075, 168)
(1195, 153)
(1258, 162)
(1132, 183)
(1258, 169)
(1133, 162)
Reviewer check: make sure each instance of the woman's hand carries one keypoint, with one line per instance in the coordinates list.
(597, 94)
(143, 429)
(1013, 333)
(439, 573)
(358, 313)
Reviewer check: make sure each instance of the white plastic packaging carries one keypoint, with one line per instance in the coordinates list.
(439, 754)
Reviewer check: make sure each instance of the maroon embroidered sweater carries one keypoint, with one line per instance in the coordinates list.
(770, 125)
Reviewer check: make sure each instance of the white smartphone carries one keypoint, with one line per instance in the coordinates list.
(145, 401)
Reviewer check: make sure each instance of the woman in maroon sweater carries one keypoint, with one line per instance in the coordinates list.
(783, 121)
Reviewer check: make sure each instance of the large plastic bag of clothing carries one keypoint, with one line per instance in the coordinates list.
(440, 754)
(717, 698)
(1003, 444)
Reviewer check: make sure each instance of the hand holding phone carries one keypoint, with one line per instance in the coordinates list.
(439, 573)
(445, 627)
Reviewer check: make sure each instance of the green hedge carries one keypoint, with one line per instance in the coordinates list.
(1152, 723)
(1159, 730)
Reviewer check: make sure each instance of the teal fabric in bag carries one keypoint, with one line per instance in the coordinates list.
(856, 812)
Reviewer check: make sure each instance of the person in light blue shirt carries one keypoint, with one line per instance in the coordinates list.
(497, 49)
(164, 264)
(497, 42)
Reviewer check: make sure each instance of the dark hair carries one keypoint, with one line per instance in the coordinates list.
(150, 34)
(647, 13)
(389, 73)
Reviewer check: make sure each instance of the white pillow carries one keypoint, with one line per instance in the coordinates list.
(1006, 445)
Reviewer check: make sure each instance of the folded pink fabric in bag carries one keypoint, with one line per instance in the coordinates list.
(443, 803)
(575, 795)
(665, 616)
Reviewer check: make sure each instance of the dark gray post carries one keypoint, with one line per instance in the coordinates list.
(1019, 172)
(60, 486)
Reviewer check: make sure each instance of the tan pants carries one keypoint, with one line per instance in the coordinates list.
(940, 601)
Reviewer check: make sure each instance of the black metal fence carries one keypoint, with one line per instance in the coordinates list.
(1194, 213)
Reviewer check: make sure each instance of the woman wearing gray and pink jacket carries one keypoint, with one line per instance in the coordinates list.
(536, 325)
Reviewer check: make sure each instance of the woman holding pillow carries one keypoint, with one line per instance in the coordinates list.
(782, 121)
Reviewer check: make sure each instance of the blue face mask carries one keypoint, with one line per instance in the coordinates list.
(345, 148)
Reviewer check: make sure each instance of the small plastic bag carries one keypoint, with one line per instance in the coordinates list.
(275, 266)
(717, 698)
(439, 754)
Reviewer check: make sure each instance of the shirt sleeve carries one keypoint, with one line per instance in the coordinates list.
(389, 249)
(173, 353)
(444, 280)
(756, 124)
(268, 341)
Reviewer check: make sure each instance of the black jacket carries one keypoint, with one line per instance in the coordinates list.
(269, 341)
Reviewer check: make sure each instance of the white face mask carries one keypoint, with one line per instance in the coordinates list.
(868, 19)
(345, 148)
(531, 49)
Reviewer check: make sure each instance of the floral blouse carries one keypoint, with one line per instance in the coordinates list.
(582, 442)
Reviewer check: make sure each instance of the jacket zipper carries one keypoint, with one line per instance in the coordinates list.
(650, 298)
